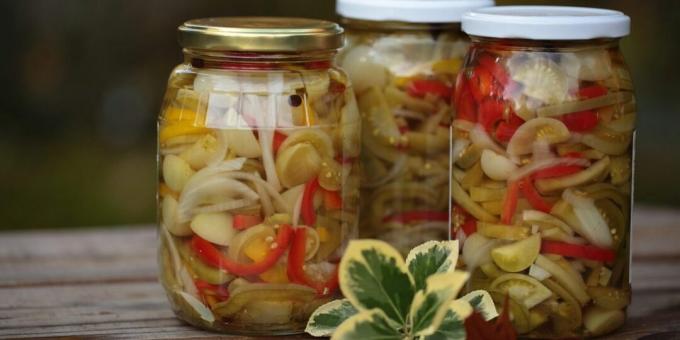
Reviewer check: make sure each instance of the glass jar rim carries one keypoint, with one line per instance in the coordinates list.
(261, 34)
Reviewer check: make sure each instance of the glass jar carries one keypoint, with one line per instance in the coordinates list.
(259, 139)
(543, 166)
(403, 58)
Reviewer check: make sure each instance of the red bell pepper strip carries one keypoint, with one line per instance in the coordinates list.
(466, 109)
(307, 209)
(510, 202)
(592, 91)
(461, 83)
(557, 171)
(278, 140)
(221, 292)
(331, 199)
(464, 220)
(580, 121)
(209, 254)
(588, 252)
(421, 87)
(469, 226)
(480, 83)
(507, 128)
(296, 262)
(534, 198)
(242, 221)
(496, 69)
(505, 131)
(490, 113)
(416, 215)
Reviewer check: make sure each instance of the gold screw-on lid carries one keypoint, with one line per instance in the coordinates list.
(261, 34)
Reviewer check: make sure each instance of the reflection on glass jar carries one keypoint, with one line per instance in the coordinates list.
(404, 67)
(542, 170)
(259, 138)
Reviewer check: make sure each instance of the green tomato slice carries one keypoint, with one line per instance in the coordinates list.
(521, 288)
(517, 256)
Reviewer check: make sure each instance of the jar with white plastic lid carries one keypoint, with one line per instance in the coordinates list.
(543, 154)
(258, 146)
(403, 57)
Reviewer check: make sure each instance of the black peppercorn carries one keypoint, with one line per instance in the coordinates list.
(294, 100)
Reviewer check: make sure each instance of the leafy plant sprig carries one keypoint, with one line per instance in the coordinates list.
(388, 297)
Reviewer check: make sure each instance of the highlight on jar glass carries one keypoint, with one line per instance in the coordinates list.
(403, 58)
(259, 139)
(541, 180)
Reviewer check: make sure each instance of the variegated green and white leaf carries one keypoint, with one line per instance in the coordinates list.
(430, 305)
(373, 275)
(452, 326)
(328, 317)
(482, 302)
(367, 325)
(430, 258)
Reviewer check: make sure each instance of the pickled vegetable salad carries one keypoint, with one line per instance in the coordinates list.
(256, 194)
(541, 185)
(404, 84)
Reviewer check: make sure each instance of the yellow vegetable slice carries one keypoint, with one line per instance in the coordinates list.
(201, 152)
(468, 156)
(599, 321)
(242, 296)
(242, 142)
(297, 164)
(502, 231)
(517, 256)
(472, 177)
(491, 270)
(320, 140)
(217, 228)
(575, 287)
(463, 199)
(174, 130)
(521, 288)
(610, 297)
(493, 207)
(480, 194)
(176, 172)
(428, 143)
(608, 142)
(566, 316)
(591, 174)
(583, 105)
(169, 218)
(447, 66)
(547, 130)
(243, 239)
(379, 118)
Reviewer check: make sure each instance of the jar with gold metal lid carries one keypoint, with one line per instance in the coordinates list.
(258, 142)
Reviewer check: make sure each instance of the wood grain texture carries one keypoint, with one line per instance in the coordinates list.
(102, 283)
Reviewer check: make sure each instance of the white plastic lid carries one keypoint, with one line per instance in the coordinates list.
(415, 11)
(546, 23)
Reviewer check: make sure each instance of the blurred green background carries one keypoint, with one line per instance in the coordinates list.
(82, 81)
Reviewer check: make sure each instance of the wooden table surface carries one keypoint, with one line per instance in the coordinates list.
(102, 283)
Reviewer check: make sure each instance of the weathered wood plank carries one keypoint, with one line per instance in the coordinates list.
(102, 282)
